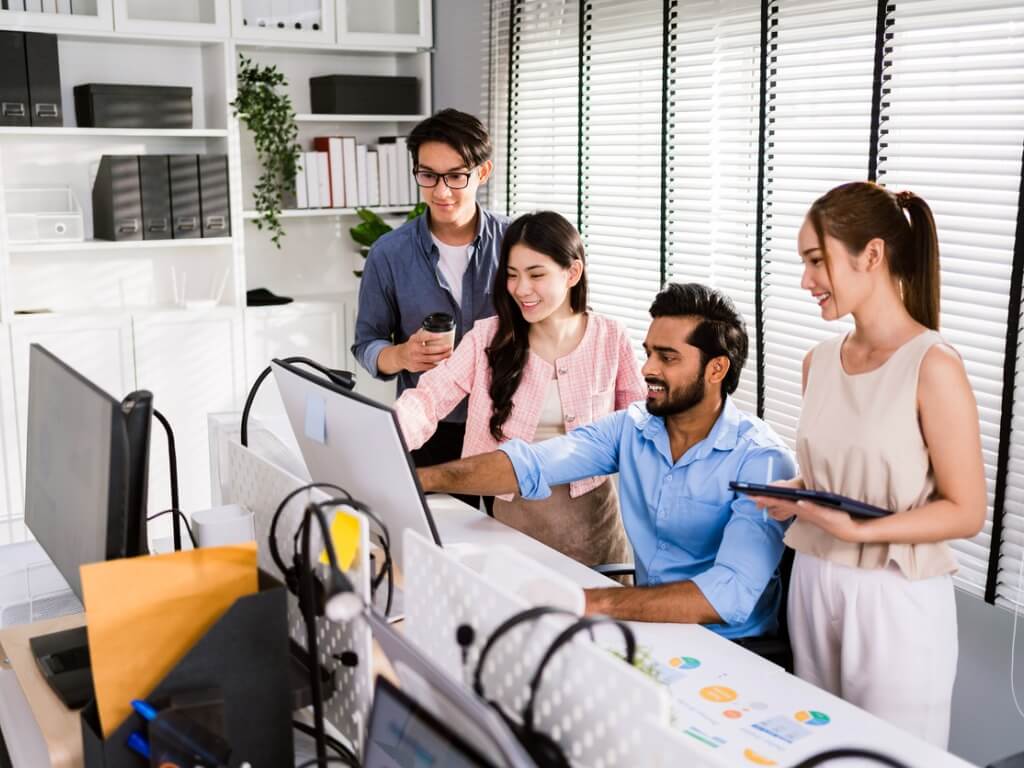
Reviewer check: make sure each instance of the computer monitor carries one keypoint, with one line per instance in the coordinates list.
(85, 493)
(402, 734)
(354, 442)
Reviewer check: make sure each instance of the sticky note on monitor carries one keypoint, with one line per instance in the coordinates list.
(316, 419)
(345, 537)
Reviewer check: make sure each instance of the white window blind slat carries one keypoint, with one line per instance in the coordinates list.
(621, 174)
(712, 158)
(953, 75)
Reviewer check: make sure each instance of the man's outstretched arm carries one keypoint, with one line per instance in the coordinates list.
(488, 474)
(681, 602)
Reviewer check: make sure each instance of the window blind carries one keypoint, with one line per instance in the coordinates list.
(712, 155)
(494, 107)
(544, 138)
(621, 157)
(952, 131)
(820, 72)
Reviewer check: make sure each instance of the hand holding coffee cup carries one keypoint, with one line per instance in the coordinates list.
(431, 344)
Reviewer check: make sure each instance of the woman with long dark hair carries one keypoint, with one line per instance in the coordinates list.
(889, 418)
(542, 366)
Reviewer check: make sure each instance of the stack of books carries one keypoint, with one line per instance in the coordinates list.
(339, 173)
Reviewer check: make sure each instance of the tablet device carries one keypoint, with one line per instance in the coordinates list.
(824, 498)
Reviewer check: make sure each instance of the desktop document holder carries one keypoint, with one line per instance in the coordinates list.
(245, 657)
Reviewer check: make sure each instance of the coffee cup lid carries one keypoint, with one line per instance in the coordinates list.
(438, 322)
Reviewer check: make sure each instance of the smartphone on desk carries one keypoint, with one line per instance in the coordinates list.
(834, 500)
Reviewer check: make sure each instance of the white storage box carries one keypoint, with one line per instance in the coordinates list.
(43, 216)
(31, 587)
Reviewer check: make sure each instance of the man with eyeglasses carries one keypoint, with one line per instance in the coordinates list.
(443, 261)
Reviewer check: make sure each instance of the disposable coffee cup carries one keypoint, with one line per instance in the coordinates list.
(441, 322)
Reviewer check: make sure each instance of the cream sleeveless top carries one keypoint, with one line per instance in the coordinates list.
(551, 422)
(859, 436)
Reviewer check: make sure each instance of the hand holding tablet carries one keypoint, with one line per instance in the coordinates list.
(832, 500)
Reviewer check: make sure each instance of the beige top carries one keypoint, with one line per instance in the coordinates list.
(551, 423)
(859, 436)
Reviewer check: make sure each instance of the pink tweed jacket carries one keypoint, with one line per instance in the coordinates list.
(600, 376)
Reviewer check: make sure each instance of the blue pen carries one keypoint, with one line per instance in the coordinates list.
(137, 743)
(144, 709)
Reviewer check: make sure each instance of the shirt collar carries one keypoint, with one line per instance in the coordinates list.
(723, 435)
(423, 228)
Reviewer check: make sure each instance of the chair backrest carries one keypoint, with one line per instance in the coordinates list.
(785, 572)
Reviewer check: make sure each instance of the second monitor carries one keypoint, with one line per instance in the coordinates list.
(354, 442)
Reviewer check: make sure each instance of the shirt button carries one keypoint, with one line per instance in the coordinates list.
(570, 418)
(662, 545)
(668, 478)
(563, 371)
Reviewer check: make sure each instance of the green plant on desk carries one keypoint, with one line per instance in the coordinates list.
(372, 226)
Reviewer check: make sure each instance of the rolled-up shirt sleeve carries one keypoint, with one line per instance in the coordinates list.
(751, 543)
(585, 452)
(377, 316)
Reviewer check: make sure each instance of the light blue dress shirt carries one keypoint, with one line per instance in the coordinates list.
(683, 520)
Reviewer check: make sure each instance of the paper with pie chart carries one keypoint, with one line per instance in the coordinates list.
(742, 718)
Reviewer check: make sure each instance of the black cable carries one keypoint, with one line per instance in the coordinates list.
(842, 752)
(328, 759)
(172, 460)
(343, 751)
(341, 378)
(177, 513)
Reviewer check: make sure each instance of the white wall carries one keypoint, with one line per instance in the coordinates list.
(459, 63)
(986, 725)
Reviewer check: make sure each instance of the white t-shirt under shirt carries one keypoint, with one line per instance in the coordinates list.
(453, 262)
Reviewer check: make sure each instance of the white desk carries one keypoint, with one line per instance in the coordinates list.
(767, 698)
(723, 664)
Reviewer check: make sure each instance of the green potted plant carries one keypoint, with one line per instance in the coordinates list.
(267, 112)
(372, 226)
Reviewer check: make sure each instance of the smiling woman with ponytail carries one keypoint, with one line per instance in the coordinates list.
(889, 418)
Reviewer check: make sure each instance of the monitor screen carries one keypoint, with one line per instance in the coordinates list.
(404, 735)
(76, 467)
(354, 442)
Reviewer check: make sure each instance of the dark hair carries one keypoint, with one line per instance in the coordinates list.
(858, 212)
(721, 331)
(545, 232)
(459, 130)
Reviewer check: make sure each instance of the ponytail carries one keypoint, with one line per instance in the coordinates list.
(920, 270)
(860, 211)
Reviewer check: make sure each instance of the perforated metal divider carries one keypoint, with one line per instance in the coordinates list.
(260, 486)
(589, 701)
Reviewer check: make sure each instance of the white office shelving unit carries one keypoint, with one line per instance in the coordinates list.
(108, 307)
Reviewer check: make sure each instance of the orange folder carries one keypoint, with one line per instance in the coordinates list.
(144, 613)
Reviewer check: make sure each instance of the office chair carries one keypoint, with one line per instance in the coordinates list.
(775, 648)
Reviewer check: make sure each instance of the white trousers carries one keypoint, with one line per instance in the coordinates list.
(878, 640)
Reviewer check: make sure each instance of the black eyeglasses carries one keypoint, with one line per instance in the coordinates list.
(454, 180)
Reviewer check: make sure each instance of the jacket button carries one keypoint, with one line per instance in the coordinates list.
(570, 418)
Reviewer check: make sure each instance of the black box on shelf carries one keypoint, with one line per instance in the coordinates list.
(155, 183)
(364, 95)
(185, 209)
(43, 67)
(117, 199)
(13, 79)
(214, 200)
(101, 105)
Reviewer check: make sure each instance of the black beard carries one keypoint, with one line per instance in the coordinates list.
(679, 401)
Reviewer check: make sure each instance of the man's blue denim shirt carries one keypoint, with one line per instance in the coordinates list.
(402, 284)
(682, 519)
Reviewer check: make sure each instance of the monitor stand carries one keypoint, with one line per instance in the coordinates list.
(63, 658)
